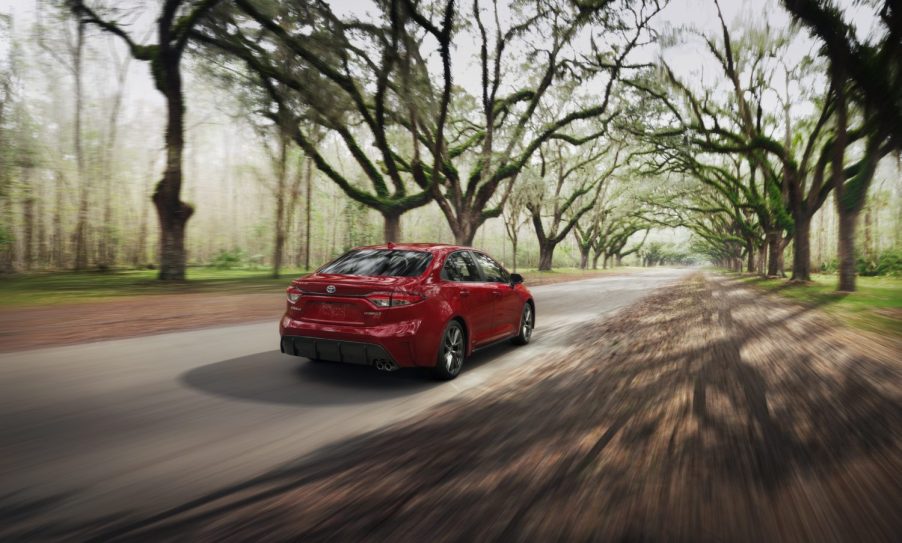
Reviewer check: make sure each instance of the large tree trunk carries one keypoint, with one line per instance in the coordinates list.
(465, 232)
(172, 212)
(595, 258)
(546, 254)
(847, 223)
(774, 253)
(801, 254)
(583, 257)
(392, 228)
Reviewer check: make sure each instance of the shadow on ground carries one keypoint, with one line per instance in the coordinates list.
(273, 377)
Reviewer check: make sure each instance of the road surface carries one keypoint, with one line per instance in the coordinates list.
(134, 426)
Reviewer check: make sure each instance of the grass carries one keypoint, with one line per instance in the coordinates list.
(70, 287)
(876, 306)
(65, 287)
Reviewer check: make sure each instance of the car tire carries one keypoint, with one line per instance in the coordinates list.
(451, 352)
(527, 323)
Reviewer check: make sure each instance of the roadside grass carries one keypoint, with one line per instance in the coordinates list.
(69, 287)
(56, 287)
(876, 306)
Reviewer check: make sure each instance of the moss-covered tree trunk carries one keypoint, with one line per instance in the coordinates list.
(392, 228)
(583, 257)
(546, 254)
(172, 212)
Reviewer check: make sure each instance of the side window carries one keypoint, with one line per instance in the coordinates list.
(460, 267)
(492, 270)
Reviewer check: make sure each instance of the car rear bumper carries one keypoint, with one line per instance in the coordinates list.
(349, 352)
(350, 344)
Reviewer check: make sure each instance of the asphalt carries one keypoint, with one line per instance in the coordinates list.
(135, 426)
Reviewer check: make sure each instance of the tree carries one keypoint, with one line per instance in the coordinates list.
(456, 149)
(792, 170)
(577, 178)
(175, 24)
(315, 77)
(867, 74)
(509, 127)
(873, 67)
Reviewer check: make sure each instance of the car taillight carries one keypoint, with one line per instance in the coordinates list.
(405, 298)
(293, 294)
(393, 299)
(380, 299)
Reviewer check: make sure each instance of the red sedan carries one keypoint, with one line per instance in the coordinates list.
(393, 306)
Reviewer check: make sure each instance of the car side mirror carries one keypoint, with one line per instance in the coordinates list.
(516, 278)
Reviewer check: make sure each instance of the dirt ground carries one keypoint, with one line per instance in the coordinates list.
(65, 324)
(708, 412)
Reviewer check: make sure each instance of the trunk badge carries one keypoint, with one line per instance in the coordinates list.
(330, 289)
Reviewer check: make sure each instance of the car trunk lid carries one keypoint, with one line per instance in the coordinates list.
(342, 299)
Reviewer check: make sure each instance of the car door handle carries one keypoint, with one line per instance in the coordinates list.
(464, 293)
(496, 292)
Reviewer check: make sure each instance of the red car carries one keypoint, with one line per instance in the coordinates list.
(393, 306)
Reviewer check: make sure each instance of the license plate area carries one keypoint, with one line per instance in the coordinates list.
(338, 312)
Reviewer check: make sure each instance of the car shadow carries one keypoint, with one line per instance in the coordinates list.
(272, 377)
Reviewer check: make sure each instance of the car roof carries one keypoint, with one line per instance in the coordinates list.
(429, 247)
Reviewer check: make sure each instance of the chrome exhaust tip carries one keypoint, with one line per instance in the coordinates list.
(386, 365)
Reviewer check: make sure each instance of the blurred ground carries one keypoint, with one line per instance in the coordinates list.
(706, 412)
(63, 309)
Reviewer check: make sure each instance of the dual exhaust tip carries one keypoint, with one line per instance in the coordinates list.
(386, 365)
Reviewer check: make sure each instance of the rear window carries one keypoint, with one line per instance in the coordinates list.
(374, 262)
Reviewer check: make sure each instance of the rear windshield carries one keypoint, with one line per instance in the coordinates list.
(372, 262)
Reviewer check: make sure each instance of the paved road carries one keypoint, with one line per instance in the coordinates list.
(138, 425)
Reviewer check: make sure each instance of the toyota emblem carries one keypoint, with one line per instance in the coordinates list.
(330, 289)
